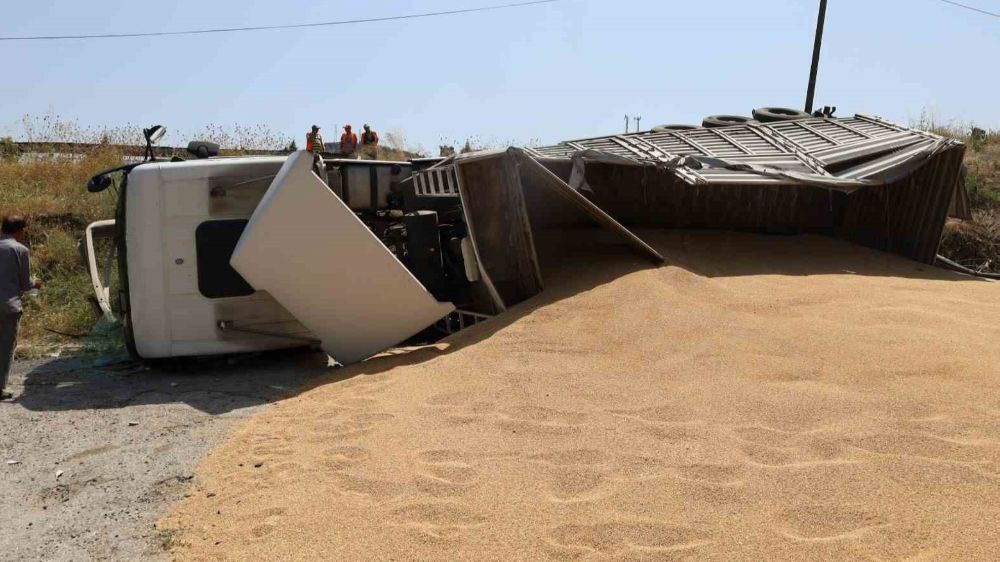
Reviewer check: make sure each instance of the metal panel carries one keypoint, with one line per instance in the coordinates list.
(436, 182)
(866, 148)
(315, 257)
(801, 136)
(99, 280)
(653, 197)
(806, 146)
(907, 215)
(567, 193)
(497, 217)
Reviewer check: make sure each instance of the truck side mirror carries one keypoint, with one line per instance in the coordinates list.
(154, 134)
(99, 183)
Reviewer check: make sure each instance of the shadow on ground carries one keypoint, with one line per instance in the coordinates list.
(214, 386)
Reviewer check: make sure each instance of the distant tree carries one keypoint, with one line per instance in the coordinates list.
(292, 147)
(467, 148)
(8, 149)
(446, 150)
(977, 139)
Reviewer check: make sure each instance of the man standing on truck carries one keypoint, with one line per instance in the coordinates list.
(369, 137)
(369, 143)
(314, 141)
(349, 142)
(15, 279)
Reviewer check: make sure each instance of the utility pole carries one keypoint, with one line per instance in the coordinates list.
(815, 62)
(637, 119)
(626, 123)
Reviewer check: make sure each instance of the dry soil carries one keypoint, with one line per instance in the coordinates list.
(91, 457)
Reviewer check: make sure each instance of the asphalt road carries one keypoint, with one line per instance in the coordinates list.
(91, 457)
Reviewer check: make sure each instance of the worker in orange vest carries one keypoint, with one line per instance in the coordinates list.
(348, 141)
(314, 141)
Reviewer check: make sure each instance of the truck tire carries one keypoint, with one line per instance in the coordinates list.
(772, 114)
(672, 127)
(713, 121)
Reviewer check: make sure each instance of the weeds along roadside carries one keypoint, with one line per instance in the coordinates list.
(976, 243)
(49, 191)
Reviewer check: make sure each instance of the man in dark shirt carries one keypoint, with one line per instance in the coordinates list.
(15, 279)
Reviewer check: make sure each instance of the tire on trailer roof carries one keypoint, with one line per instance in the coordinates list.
(772, 114)
(672, 127)
(713, 121)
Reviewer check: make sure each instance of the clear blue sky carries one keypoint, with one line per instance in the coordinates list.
(552, 72)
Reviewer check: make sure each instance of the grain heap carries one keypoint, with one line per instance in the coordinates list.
(759, 397)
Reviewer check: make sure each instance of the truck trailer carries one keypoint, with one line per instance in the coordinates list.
(220, 255)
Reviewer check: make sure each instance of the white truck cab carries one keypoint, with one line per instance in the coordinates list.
(182, 220)
(360, 260)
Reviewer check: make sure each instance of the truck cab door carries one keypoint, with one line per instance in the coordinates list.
(315, 257)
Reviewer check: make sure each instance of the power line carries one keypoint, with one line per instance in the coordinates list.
(271, 27)
(994, 14)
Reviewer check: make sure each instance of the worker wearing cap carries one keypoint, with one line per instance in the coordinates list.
(349, 142)
(314, 141)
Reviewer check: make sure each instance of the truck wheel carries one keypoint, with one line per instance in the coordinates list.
(772, 114)
(672, 127)
(713, 121)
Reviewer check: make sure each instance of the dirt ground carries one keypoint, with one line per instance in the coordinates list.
(90, 457)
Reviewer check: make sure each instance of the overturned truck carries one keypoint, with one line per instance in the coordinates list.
(228, 255)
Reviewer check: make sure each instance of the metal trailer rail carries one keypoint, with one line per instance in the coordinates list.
(785, 152)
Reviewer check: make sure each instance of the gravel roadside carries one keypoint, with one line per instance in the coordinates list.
(90, 457)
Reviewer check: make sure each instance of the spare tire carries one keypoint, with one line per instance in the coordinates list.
(772, 114)
(725, 120)
(672, 127)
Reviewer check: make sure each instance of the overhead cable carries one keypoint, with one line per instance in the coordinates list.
(273, 27)
(974, 9)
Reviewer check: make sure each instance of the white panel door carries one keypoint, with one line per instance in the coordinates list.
(315, 257)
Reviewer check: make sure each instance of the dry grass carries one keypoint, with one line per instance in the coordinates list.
(976, 243)
(49, 187)
(50, 192)
(983, 161)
